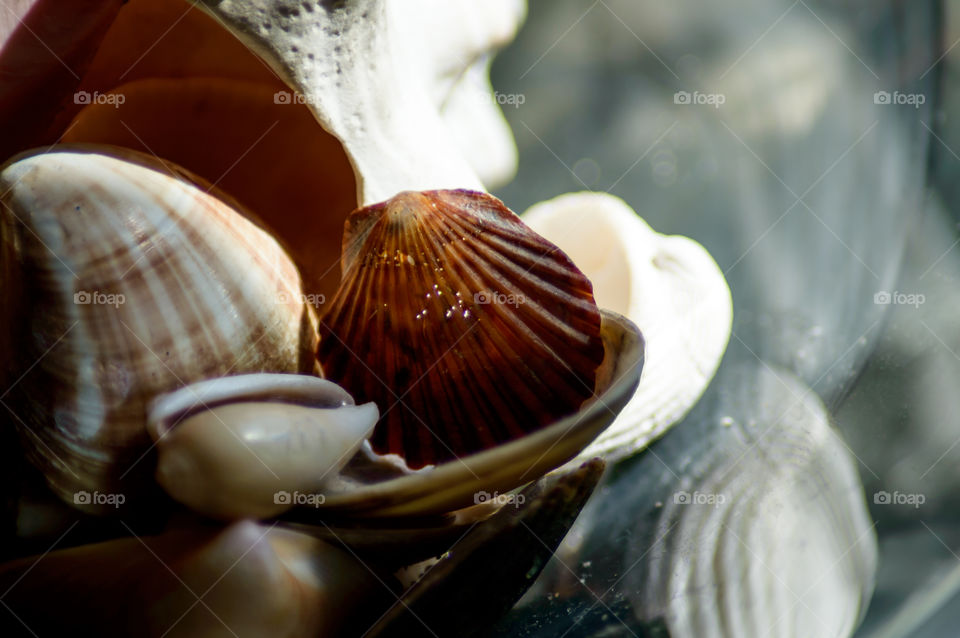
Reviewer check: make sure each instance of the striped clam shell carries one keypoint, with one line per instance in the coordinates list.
(130, 280)
(468, 329)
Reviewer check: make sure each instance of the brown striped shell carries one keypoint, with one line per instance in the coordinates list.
(129, 280)
(467, 328)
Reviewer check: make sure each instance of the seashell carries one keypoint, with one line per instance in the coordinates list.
(787, 545)
(368, 488)
(377, 75)
(216, 473)
(669, 286)
(228, 447)
(466, 327)
(241, 580)
(494, 561)
(134, 282)
(746, 519)
(271, 156)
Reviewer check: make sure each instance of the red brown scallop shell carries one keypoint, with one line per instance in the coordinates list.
(466, 327)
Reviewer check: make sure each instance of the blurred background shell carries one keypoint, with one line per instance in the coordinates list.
(131, 279)
(808, 191)
(762, 527)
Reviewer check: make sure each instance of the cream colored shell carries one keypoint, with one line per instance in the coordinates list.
(394, 80)
(669, 286)
(255, 445)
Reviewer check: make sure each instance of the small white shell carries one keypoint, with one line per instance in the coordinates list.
(669, 286)
(249, 445)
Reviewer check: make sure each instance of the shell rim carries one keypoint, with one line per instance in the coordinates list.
(452, 484)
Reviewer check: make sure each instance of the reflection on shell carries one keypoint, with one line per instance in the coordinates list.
(468, 329)
(133, 281)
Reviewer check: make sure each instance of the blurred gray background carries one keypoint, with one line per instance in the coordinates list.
(815, 197)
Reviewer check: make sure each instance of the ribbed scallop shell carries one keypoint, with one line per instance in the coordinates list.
(205, 293)
(467, 328)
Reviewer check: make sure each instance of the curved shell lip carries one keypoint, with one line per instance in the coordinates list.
(167, 410)
(456, 484)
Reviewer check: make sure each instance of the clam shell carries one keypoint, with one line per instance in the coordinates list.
(245, 446)
(669, 286)
(468, 329)
(135, 282)
(462, 482)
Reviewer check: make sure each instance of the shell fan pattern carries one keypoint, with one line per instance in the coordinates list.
(467, 328)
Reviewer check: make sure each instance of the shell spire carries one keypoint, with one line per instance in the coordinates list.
(466, 327)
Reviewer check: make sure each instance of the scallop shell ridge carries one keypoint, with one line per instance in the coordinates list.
(464, 325)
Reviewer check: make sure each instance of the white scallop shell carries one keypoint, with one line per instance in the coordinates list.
(770, 537)
(669, 286)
